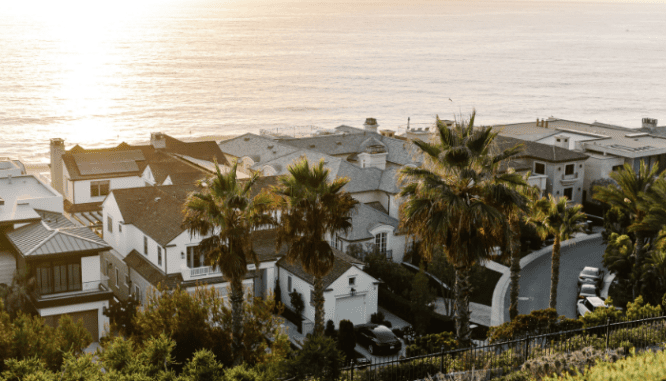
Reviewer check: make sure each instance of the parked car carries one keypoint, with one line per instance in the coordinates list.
(588, 304)
(377, 338)
(591, 275)
(587, 289)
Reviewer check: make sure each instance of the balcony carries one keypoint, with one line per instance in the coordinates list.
(568, 180)
(199, 272)
(84, 292)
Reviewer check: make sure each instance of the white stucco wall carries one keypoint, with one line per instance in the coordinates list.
(90, 269)
(102, 320)
(599, 167)
(82, 188)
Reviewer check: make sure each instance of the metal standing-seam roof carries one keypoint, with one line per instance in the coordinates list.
(41, 238)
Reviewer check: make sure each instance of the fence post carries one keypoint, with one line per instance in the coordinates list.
(441, 364)
(527, 347)
(352, 370)
(607, 332)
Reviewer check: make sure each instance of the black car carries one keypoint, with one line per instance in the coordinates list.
(377, 338)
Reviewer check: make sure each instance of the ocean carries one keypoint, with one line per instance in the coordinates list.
(98, 73)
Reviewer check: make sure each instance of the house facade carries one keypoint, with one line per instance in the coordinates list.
(349, 292)
(151, 248)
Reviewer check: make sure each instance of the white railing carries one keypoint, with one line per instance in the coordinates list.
(570, 177)
(204, 271)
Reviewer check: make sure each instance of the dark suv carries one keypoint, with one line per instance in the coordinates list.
(377, 338)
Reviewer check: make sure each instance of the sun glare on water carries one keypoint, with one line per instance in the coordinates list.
(81, 51)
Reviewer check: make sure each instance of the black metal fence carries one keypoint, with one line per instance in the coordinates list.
(494, 360)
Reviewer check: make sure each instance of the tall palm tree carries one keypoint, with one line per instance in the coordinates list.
(451, 203)
(631, 195)
(554, 217)
(516, 214)
(310, 207)
(223, 211)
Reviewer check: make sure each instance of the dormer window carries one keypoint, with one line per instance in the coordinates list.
(380, 242)
(352, 281)
(539, 168)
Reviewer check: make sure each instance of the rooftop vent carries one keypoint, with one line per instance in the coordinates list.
(339, 143)
(157, 199)
(247, 139)
(2, 201)
(649, 123)
(312, 146)
(270, 146)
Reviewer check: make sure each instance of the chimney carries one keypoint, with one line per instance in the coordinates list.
(370, 125)
(57, 150)
(650, 124)
(157, 140)
(545, 124)
(561, 141)
(538, 125)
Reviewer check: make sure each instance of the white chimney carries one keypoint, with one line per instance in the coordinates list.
(561, 141)
(370, 124)
(57, 150)
(157, 140)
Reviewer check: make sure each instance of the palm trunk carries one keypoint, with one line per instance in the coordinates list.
(514, 251)
(555, 273)
(462, 291)
(319, 306)
(237, 320)
(638, 261)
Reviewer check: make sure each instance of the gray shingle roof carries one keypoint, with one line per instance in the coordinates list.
(364, 218)
(399, 151)
(150, 272)
(53, 236)
(341, 264)
(259, 148)
(540, 151)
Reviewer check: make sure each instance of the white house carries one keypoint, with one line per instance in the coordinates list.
(151, 247)
(349, 292)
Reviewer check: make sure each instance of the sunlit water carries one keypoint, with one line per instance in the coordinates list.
(97, 74)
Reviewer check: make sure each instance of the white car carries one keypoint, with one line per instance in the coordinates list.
(589, 304)
(587, 289)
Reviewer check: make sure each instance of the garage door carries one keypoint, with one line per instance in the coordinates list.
(351, 308)
(89, 321)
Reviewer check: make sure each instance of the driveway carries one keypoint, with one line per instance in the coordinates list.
(535, 278)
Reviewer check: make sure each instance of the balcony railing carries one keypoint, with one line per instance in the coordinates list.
(570, 177)
(101, 285)
(204, 271)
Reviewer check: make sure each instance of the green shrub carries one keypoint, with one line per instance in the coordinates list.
(319, 358)
(347, 338)
(242, 373)
(536, 323)
(297, 303)
(329, 331)
(649, 366)
(203, 367)
(433, 343)
(567, 363)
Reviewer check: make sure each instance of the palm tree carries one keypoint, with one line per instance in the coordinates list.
(631, 195)
(223, 211)
(510, 242)
(553, 217)
(451, 203)
(310, 207)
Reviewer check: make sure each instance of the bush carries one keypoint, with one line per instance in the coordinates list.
(421, 298)
(401, 307)
(377, 318)
(297, 303)
(319, 358)
(395, 276)
(329, 331)
(536, 323)
(347, 338)
(649, 366)
(433, 343)
(567, 363)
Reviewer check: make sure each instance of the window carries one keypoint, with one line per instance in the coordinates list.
(117, 278)
(617, 167)
(99, 188)
(352, 281)
(539, 168)
(137, 292)
(289, 283)
(159, 256)
(66, 188)
(568, 193)
(569, 169)
(127, 280)
(106, 267)
(194, 259)
(380, 242)
(312, 297)
(58, 276)
(120, 228)
(109, 224)
(145, 245)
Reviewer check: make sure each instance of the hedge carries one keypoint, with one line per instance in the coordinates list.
(402, 308)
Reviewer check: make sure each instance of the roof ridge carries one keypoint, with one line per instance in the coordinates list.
(40, 244)
(62, 230)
